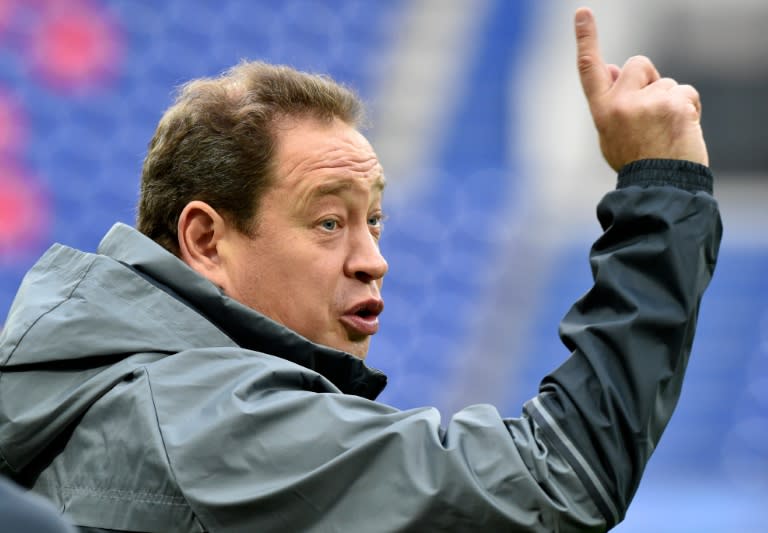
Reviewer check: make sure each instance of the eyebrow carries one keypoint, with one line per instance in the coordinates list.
(335, 188)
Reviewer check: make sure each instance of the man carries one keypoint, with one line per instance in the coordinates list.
(208, 374)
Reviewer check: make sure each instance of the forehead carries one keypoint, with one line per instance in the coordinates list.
(324, 156)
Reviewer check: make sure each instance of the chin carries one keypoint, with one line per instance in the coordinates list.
(358, 348)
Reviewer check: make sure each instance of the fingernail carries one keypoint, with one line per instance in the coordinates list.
(582, 17)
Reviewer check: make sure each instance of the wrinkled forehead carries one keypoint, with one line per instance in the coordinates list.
(313, 154)
(364, 189)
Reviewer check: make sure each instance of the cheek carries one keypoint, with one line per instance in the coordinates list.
(310, 285)
(311, 307)
(297, 284)
(323, 287)
(324, 291)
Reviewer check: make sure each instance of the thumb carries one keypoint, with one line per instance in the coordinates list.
(596, 77)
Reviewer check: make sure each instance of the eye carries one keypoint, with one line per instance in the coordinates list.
(329, 224)
(376, 220)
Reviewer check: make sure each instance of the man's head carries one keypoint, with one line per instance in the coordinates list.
(260, 181)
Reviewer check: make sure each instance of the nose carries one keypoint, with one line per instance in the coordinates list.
(364, 260)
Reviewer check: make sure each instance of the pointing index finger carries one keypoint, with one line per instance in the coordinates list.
(595, 76)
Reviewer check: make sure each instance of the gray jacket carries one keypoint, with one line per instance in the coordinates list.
(137, 396)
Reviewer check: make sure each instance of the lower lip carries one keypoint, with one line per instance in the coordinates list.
(361, 325)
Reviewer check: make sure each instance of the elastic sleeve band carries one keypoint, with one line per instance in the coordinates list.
(692, 177)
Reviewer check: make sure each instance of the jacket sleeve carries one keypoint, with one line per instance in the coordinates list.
(258, 444)
(606, 407)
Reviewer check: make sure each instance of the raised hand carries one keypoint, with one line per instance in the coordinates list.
(638, 114)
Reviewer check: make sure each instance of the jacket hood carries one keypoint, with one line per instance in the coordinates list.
(82, 322)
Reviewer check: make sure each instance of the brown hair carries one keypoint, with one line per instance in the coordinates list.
(216, 142)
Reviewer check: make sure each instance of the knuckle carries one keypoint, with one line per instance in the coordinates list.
(688, 98)
(667, 82)
(583, 34)
(585, 62)
(639, 61)
(690, 91)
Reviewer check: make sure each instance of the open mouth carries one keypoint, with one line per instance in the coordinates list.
(366, 309)
(365, 313)
(363, 318)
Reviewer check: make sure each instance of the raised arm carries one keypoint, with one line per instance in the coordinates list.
(631, 334)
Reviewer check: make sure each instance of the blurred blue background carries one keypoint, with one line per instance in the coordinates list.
(494, 169)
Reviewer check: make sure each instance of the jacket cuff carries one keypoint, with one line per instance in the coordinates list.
(692, 177)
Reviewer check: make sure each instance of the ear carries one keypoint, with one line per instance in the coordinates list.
(200, 231)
